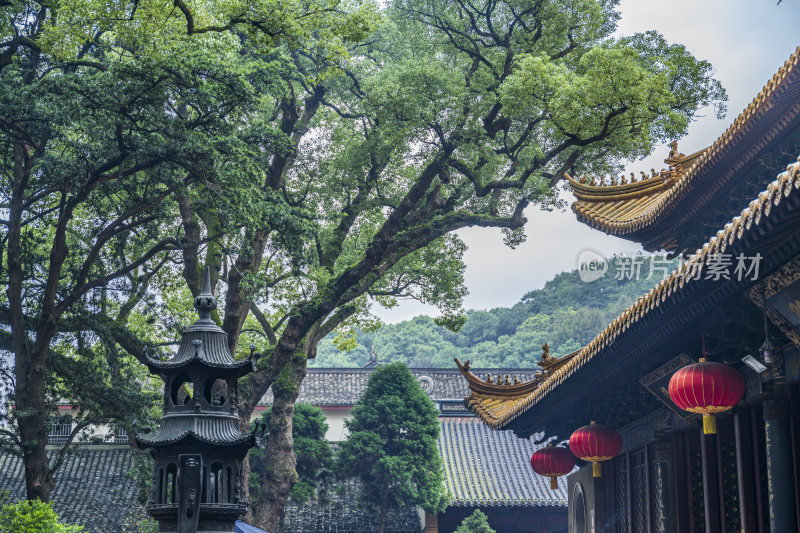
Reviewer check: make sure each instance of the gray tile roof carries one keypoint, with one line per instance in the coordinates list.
(92, 488)
(341, 387)
(485, 467)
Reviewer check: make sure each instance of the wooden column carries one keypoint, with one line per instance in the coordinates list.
(745, 470)
(629, 495)
(757, 473)
(708, 448)
(648, 484)
(779, 461)
(681, 483)
(794, 419)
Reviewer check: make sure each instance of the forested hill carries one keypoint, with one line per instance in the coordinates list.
(566, 313)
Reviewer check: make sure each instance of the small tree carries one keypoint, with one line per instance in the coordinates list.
(314, 456)
(477, 522)
(391, 446)
(32, 516)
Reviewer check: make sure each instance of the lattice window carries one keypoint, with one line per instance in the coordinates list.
(639, 492)
(698, 504)
(621, 508)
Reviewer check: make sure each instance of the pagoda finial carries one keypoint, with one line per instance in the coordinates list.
(205, 301)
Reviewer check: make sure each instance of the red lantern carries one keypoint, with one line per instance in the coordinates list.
(706, 388)
(552, 462)
(595, 444)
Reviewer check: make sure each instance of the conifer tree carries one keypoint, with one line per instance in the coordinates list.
(477, 522)
(391, 446)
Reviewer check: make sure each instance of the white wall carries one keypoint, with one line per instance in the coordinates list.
(336, 417)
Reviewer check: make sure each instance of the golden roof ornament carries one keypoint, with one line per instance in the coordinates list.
(674, 154)
(545, 353)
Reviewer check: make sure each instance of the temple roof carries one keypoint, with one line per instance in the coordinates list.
(204, 342)
(499, 411)
(491, 468)
(206, 345)
(656, 209)
(342, 387)
(207, 428)
(93, 487)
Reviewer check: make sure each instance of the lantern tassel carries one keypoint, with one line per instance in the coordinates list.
(554, 483)
(709, 425)
(597, 470)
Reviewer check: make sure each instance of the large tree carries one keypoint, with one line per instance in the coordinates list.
(451, 114)
(108, 113)
(391, 445)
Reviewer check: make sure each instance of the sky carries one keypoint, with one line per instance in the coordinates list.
(746, 41)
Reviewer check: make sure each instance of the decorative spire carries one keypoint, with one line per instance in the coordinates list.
(205, 301)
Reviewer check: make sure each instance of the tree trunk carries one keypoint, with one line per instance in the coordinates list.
(384, 509)
(281, 475)
(33, 435)
(29, 361)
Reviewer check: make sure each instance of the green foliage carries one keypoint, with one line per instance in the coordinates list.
(391, 444)
(477, 522)
(314, 455)
(138, 521)
(142, 473)
(566, 313)
(32, 517)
